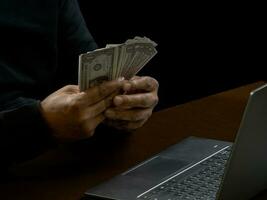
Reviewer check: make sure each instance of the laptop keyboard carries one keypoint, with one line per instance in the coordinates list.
(202, 184)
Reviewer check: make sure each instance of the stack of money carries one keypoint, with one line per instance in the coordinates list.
(115, 61)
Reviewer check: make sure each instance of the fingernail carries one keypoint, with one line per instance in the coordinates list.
(118, 101)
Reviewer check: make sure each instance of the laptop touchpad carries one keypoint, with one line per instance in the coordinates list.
(157, 168)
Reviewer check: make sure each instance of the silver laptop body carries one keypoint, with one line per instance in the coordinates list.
(183, 171)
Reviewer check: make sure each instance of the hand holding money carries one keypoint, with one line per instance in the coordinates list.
(133, 108)
(73, 115)
(114, 61)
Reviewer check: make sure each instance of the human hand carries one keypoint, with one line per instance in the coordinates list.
(133, 108)
(74, 115)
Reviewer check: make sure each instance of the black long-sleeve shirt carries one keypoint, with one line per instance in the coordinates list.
(39, 46)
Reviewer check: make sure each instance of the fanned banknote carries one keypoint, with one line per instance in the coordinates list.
(114, 61)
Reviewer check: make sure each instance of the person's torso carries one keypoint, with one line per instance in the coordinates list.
(28, 45)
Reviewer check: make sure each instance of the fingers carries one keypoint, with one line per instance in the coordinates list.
(98, 108)
(98, 93)
(92, 111)
(68, 89)
(71, 88)
(141, 83)
(90, 117)
(90, 126)
(128, 115)
(143, 100)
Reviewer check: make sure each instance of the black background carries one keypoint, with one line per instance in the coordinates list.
(204, 48)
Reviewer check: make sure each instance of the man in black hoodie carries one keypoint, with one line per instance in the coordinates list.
(40, 103)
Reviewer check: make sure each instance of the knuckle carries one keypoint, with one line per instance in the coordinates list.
(151, 83)
(69, 87)
(134, 83)
(148, 83)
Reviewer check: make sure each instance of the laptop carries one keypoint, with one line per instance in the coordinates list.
(201, 168)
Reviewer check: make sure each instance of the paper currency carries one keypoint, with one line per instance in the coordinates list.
(114, 61)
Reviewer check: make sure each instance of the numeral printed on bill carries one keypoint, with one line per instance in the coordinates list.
(115, 61)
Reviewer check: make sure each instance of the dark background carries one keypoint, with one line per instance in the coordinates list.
(203, 48)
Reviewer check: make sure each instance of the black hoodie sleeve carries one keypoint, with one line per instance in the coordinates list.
(23, 132)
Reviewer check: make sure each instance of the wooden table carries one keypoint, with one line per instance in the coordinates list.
(66, 173)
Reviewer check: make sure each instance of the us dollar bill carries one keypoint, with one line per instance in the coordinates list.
(95, 68)
(114, 61)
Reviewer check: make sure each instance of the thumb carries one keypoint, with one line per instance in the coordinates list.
(70, 89)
